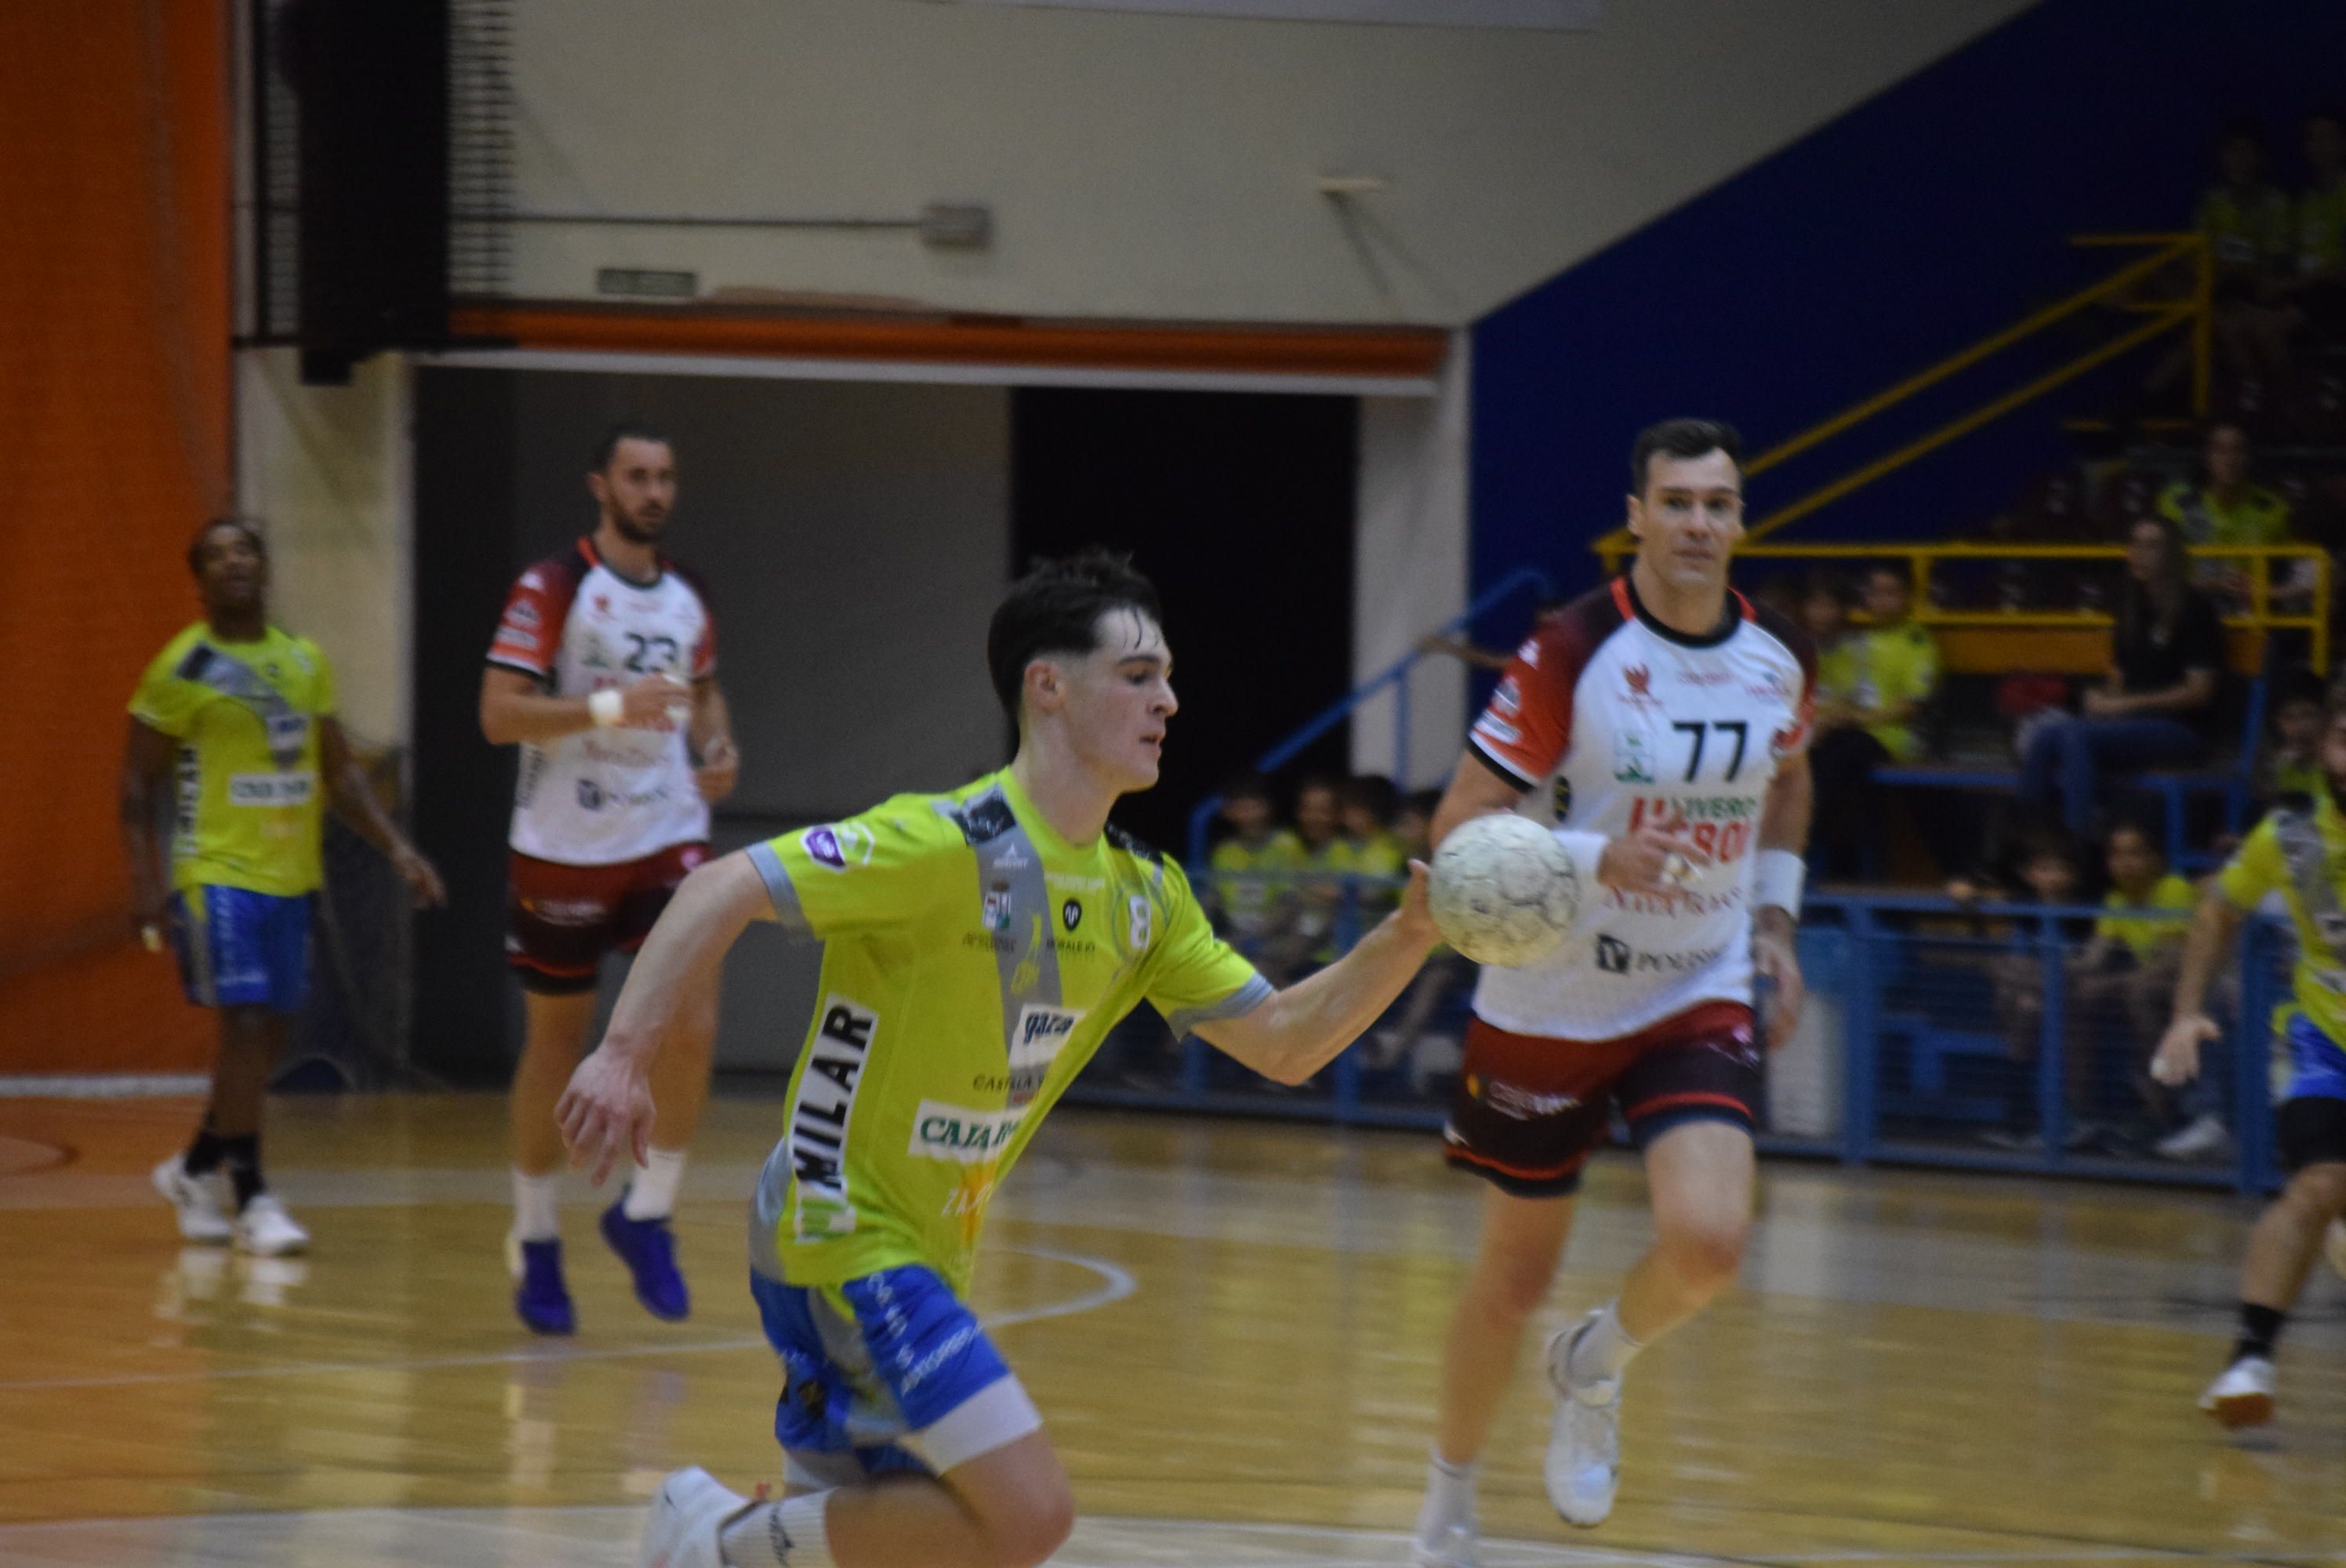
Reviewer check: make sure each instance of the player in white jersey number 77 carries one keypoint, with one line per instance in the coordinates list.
(1660, 724)
(977, 946)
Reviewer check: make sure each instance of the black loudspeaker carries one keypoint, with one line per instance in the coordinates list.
(365, 83)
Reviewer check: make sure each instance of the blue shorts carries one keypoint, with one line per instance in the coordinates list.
(889, 1373)
(2317, 1066)
(242, 948)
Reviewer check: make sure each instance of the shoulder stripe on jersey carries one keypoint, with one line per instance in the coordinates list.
(1750, 611)
(788, 912)
(1237, 1004)
(518, 668)
(1621, 599)
(1475, 750)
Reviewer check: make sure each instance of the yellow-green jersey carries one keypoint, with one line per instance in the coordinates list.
(2141, 935)
(2322, 230)
(2255, 516)
(2301, 855)
(2246, 231)
(1882, 668)
(973, 960)
(1247, 883)
(246, 718)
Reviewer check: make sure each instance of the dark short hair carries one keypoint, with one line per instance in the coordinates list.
(1373, 793)
(1057, 608)
(1681, 438)
(244, 525)
(2326, 115)
(1249, 785)
(626, 429)
(1425, 802)
(1327, 781)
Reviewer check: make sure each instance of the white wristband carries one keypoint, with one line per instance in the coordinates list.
(1586, 851)
(605, 706)
(1777, 882)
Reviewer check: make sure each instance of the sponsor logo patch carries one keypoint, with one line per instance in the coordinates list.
(1043, 1033)
(819, 1115)
(961, 1134)
(272, 789)
(1138, 917)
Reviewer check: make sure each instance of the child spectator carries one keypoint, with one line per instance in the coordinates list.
(2047, 870)
(1251, 895)
(1370, 848)
(1872, 685)
(2290, 774)
(2227, 507)
(2126, 973)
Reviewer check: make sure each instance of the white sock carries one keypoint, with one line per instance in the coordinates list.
(535, 1201)
(1602, 1347)
(651, 1191)
(1449, 1497)
(785, 1534)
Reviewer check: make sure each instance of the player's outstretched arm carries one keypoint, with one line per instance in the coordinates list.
(1302, 1029)
(608, 1108)
(2213, 926)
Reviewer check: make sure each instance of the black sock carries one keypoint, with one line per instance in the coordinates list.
(2260, 1331)
(203, 1155)
(242, 1157)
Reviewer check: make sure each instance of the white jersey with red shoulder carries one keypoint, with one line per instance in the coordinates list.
(1610, 721)
(605, 796)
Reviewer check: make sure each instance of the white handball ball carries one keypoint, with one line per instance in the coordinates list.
(1502, 891)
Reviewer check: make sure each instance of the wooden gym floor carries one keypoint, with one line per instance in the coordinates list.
(1233, 1330)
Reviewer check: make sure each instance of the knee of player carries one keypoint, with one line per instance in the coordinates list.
(1026, 1536)
(2319, 1192)
(1706, 1246)
(1517, 1286)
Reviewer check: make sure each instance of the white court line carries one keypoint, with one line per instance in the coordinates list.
(1116, 1286)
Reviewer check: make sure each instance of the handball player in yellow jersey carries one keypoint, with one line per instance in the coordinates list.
(243, 712)
(977, 946)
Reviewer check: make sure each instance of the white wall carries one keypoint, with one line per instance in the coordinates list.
(327, 469)
(1153, 166)
(1409, 575)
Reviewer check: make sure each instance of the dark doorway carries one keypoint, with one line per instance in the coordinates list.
(1240, 507)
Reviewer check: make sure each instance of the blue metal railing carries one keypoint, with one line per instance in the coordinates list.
(1906, 976)
(1396, 675)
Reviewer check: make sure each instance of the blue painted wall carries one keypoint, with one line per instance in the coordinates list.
(1900, 232)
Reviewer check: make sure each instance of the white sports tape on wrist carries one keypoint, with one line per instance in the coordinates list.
(605, 706)
(1780, 875)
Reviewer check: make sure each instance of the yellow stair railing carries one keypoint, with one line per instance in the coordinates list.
(2077, 641)
(2189, 311)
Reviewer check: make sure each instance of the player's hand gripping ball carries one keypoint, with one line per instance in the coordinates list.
(1502, 891)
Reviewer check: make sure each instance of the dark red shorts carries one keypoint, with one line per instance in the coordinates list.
(560, 920)
(1530, 1111)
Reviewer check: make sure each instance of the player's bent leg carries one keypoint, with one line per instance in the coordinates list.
(2282, 1246)
(1701, 1176)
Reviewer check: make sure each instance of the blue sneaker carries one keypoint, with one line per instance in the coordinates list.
(647, 1247)
(541, 1299)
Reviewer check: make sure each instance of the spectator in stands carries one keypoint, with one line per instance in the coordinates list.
(2155, 707)
(1252, 899)
(2247, 223)
(2126, 976)
(1446, 975)
(2290, 774)
(2047, 870)
(1370, 848)
(2228, 507)
(2317, 285)
(1322, 862)
(1871, 687)
(1413, 824)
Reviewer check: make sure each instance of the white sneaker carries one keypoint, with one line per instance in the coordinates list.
(687, 1521)
(198, 1200)
(1583, 1446)
(2203, 1135)
(1452, 1546)
(2333, 1246)
(266, 1230)
(2243, 1395)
